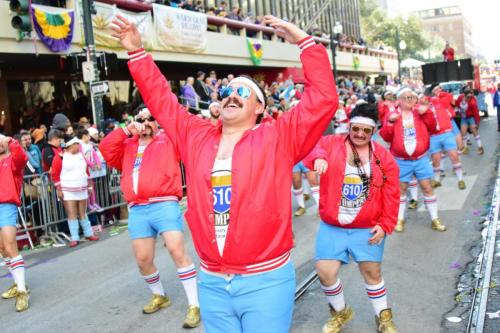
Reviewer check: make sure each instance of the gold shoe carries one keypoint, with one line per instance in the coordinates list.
(384, 322)
(300, 211)
(306, 196)
(157, 302)
(437, 225)
(11, 292)
(413, 204)
(22, 301)
(480, 151)
(435, 183)
(465, 150)
(461, 185)
(400, 226)
(192, 317)
(338, 320)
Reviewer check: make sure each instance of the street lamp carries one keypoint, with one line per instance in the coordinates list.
(400, 44)
(336, 31)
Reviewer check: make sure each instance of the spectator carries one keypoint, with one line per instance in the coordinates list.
(188, 5)
(38, 136)
(201, 89)
(190, 98)
(215, 108)
(496, 105)
(125, 118)
(448, 53)
(51, 148)
(482, 96)
(210, 86)
(222, 10)
(33, 152)
(84, 122)
(94, 166)
(62, 123)
(94, 136)
(199, 7)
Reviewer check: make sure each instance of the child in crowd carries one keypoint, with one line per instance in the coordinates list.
(94, 165)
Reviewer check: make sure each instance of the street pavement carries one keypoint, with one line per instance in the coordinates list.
(97, 287)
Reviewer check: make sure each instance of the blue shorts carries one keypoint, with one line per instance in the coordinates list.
(454, 128)
(443, 142)
(421, 168)
(336, 243)
(470, 121)
(8, 215)
(300, 167)
(261, 303)
(147, 221)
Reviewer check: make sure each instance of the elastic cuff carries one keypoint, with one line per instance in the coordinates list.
(137, 54)
(306, 43)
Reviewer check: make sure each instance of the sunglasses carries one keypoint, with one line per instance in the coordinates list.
(410, 98)
(243, 92)
(142, 120)
(366, 130)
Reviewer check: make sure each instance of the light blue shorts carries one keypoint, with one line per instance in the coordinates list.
(261, 303)
(421, 168)
(335, 243)
(300, 167)
(454, 128)
(146, 221)
(468, 121)
(443, 142)
(8, 215)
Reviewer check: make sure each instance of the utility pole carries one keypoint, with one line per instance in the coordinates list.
(97, 108)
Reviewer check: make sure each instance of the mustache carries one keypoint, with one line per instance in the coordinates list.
(233, 100)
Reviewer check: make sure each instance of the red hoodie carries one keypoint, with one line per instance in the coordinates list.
(11, 174)
(472, 110)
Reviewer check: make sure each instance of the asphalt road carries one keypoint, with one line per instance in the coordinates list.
(97, 288)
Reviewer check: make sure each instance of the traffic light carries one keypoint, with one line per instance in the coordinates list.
(21, 20)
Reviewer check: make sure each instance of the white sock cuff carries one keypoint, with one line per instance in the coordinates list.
(298, 191)
(375, 286)
(333, 286)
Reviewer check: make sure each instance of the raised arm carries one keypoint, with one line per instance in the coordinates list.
(19, 157)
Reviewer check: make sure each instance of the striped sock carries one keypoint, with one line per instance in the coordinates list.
(154, 283)
(478, 141)
(299, 196)
(187, 275)
(413, 188)
(315, 194)
(335, 295)
(431, 205)
(378, 296)
(458, 171)
(402, 208)
(17, 271)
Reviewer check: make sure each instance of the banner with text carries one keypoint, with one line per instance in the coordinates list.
(179, 30)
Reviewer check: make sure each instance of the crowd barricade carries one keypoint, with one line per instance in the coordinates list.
(41, 212)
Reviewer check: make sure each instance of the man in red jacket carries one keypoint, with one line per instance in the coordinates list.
(408, 133)
(12, 163)
(469, 113)
(358, 208)
(448, 53)
(151, 184)
(239, 180)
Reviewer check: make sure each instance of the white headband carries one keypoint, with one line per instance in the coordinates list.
(252, 85)
(405, 90)
(363, 121)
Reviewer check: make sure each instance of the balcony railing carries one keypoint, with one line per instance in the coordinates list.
(227, 26)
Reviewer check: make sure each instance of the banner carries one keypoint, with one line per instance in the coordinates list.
(54, 26)
(179, 30)
(101, 22)
(255, 49)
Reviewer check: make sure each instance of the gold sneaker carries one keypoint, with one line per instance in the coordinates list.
(465, 150)
(437, 225)
(192, 317)
(413, 204)
(435, 183)
(300, 211)
(157, 302)
(306, 196)
(22, 301)
(480, 151)
(461, 185)
(338, 320)
(11, 292)
(400, 226)
(384, 322)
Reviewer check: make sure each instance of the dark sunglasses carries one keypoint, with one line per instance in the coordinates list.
(142, 120)
(243, 92)
(410, 98)
(366, 130)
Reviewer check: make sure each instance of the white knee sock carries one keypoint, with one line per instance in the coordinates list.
(413, 188)
(402, 208)
(335, 295)
(378, 296)
(315, 194)
(299, 196)
(431, 205)
(154, 283)
(441, 164)
(17, 271)
(437, 174)
(187, 275)
(458, 171)
(478, 141)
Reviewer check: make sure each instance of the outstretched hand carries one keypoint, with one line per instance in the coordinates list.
(290, 32)
(126, 32)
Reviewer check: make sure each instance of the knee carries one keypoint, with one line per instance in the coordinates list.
(327, 277)
(144, 261)
(372, 275)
